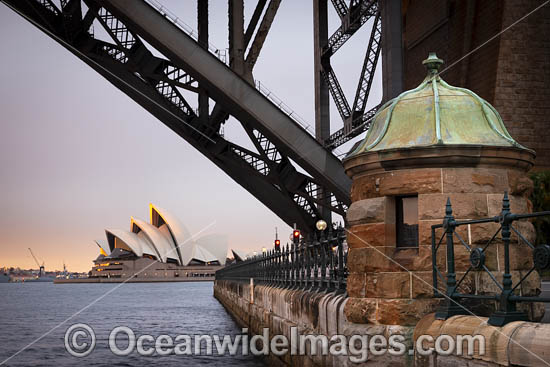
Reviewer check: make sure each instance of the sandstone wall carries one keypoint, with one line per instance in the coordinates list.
(512, 71)
(515, 344)
(518, 343)
(522, 89)
(393, 286)
(312, 313)
(279, 310)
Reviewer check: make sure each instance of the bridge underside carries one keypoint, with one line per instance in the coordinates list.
(293, 173)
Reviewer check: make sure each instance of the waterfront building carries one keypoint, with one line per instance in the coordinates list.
(161, 250)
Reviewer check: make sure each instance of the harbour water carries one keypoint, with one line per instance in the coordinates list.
(29, 310)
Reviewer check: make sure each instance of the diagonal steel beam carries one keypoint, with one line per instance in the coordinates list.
(258, 10)
(168, 106)
(341, 7)
(219, 116)
(360, 125)
(242, 100)
(128, 65)
(369, 68)
(202, 22)
(261, 35)
(357, 15)
(336, 92)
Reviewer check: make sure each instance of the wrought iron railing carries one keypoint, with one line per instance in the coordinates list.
(508, 295)
(316, 263)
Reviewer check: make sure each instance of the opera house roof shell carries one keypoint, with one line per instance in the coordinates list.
(165, 239)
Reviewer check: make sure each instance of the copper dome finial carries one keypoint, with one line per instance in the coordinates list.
(432, 63)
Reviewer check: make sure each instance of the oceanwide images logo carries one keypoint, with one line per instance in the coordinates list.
(80, 341)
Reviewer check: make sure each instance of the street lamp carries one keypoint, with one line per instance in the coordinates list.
(321, 225)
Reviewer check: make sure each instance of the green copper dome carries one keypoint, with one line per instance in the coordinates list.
(435, 114)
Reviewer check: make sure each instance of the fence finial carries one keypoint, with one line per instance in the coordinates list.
(448, 207)
(505, 202)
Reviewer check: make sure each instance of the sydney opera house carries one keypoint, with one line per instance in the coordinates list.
(159, 250)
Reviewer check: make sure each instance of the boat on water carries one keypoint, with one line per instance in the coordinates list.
(4, 278)
(31, 279)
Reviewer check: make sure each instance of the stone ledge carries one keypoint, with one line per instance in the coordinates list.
(280, 309)
(518, 343)
(439, 157)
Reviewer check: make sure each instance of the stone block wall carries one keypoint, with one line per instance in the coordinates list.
(522, 89)
(388, 285)
(258, 307)
(515, 344)
(512, 71)
(261, 306)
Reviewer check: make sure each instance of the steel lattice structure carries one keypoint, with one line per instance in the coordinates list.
(355, 119)
(191, 64)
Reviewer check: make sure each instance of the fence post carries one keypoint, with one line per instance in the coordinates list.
(434, 265)
(323, 248)
(331, 262)
(302, 264)
(315, 263)
(292, 265)
(252, 290)
(507, 311)
(452, 307)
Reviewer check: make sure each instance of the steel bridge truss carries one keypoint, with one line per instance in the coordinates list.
(355, 119)
(157, 84)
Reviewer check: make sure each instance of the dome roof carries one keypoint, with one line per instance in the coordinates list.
(435, 114)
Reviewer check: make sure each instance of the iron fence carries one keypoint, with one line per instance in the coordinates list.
(508, 295)
(315, 263)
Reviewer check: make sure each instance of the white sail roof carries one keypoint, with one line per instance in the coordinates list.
(207, 248)
(103, 245)
(179, 232)
(165, 238)
(199, 253)
(215, 244)
(135, 243)
(164, 246)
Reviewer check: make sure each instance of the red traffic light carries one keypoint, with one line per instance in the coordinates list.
(277, 242)
(296, 233)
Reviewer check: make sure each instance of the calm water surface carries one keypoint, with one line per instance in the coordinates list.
(30, 310)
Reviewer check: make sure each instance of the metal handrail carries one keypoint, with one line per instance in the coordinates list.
(506, 298)
(317, 263)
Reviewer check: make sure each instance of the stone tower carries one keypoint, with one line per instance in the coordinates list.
(430, 143)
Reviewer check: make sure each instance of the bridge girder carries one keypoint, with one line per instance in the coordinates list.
(155, 83)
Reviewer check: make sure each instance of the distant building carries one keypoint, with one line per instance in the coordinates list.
(160, 250)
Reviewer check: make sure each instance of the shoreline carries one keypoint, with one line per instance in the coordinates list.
(132, 280)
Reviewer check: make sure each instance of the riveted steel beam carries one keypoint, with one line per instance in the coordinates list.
(154, 83)
(241, 99)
